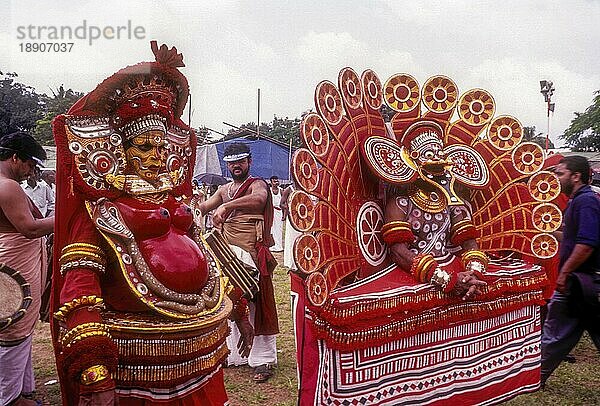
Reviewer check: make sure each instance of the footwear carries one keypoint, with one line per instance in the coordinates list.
(263, 373)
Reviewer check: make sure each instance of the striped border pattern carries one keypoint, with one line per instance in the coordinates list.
(441, 365)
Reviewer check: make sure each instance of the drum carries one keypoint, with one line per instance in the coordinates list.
(240, 275)
(15, 296)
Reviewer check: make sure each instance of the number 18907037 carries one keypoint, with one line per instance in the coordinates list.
(46, 46)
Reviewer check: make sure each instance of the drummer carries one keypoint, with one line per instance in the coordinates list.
(23, 248)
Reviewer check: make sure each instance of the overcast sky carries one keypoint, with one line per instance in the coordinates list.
(232, 48)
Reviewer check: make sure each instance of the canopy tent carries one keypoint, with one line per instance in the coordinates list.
(269, 158)
(207, 160)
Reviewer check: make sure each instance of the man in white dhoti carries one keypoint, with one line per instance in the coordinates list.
(22, 248)
(243, 211)
(277, 227)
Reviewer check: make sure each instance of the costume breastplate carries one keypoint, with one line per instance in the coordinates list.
(173, 257)
(432, 230)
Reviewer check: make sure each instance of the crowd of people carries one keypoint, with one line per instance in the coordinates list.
(139, 312)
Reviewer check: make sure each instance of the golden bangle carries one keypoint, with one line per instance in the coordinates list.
(81, 246)
(80, 254)
(460, 226)
(475, 255)
(94, 374)
(420, 265)
(83, 331)
(91, 301)
(396, 224)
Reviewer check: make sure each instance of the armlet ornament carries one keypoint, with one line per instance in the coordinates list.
(91, 302)
(94, 374)
(84, 331)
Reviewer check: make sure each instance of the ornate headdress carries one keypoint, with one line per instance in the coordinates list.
(136, 99)
(422, 133)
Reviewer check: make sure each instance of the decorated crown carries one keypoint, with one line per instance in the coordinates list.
(143, 89)
(421, 133)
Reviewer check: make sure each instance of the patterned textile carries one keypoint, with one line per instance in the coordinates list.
(479, 362)
(484, 361)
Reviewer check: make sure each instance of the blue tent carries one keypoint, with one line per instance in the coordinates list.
(269, 158)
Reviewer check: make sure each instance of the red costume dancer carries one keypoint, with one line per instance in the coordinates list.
(140, 307)
(408, 290)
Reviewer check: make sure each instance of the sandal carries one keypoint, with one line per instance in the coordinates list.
(262, 373)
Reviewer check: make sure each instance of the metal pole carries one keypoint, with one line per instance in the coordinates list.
(258, 119)
(290, 161)
(548, 126)
(190, 111)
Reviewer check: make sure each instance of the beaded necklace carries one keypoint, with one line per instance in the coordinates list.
(231, 195)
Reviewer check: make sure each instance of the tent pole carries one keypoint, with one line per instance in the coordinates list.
(258, 118)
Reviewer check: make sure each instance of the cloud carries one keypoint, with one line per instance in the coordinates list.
(515, 86)
(232, 48)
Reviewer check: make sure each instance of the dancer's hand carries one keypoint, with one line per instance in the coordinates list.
(246, 336)
(468, 285)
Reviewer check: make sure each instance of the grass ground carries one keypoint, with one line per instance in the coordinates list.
(571, 384)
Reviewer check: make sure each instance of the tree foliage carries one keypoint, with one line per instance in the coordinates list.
(20, 105)
(280, 129)
(584, 132)
(23, 109)
(59, 103)
(529, 135)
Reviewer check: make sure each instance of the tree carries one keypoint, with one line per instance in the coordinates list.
(584, 132)
(284, 129)
(20, 105)
(280, 129)
(529, 135)
(59, 103)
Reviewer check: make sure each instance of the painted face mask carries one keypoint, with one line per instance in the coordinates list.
(146, 154)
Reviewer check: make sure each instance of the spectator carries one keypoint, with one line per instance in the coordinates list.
(277, 228)
(569, 313)
(49, 176)
(22, 247)
(243, 210)
(39, 192)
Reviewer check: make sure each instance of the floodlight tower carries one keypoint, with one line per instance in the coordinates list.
(547, 89)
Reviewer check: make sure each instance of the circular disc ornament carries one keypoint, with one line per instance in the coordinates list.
(528, 158)
(372, 89)
(547, 217)
(440, 94)
(350, 88)
(316, 289)
(307, 253)
(329, 102)
(401, 92)
(544, 246)
(302, 210)
(15, 296)
(476, 107)
(305, 169)
(314, 134)
(505, 133)
(369, 222)
(544, 186)
(99, 159)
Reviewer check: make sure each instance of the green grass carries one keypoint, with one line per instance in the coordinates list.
(571, 384)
